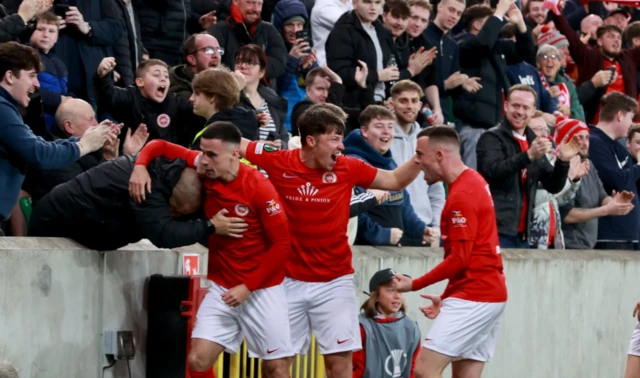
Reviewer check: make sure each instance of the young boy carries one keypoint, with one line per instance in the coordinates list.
(167, 117)
(53, 79)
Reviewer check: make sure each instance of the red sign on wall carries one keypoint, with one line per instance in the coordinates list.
(190, 264)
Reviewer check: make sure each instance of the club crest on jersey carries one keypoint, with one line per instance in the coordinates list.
(269, 148)
(163, 120)
(329, 178)
(241, 209)
(273, 207)
(458, 219)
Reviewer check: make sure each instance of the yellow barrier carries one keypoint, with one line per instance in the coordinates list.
(241, 366)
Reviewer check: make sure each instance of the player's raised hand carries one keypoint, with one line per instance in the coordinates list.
(139, 183)
(229, 226)
(403, 283)
(433, 309)
(235, 296)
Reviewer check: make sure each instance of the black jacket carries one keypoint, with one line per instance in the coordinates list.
(11, 26)
(245, 120)
(124, 50)
(127, 105)
(95, 208)
(447, 62)
(347, 43)
(500, 162)
(232, 36)
(277, 107)
(486, 56)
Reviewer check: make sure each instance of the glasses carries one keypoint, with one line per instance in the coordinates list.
(547, 57)
(208, 50)
(250, 63)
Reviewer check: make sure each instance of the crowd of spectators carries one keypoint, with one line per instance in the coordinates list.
(544, 101)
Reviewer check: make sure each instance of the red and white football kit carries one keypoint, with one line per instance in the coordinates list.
(475, 297)
(319, 283)
(254, 260)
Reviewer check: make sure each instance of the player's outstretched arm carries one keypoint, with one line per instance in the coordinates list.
(397, 179)
(244, 143)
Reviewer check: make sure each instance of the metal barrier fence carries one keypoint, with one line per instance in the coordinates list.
(241, 366)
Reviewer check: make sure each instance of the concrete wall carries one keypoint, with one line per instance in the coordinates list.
(569, 313)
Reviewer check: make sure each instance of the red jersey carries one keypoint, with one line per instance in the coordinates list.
(616, 86)
(317, 205)
(472, 259)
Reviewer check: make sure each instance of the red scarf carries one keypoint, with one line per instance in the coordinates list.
(564, 98)
(236, 15)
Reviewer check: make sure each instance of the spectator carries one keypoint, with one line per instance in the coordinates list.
(590, 60)
(388, 222)
(474, 18)
(291, 17)
(589, 28)
(15, 24)
(546, 223)
(270, 108)
(633, 145)
(87, 37)
(557, 83)
(167, 116)
(427, 200)
(385, 329)
(324, 85)
(216, 97)
(359, 36)
(512, 160)
(166, 24)
(201, 51)
(448, 76)
(73, 118)
(7, 370)
(395, 16)
(486, 57)
(244, 27)
(632, 40)
(128, 50)
(323, 18)
(616, 169)
(549, 36)
(95, 209)
(53, 79)
(535, 13)
(619, 17)
(19, 147)
(580, 215)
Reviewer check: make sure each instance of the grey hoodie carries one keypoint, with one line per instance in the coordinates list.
(428, 207)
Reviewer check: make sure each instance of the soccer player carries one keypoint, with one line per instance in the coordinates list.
(468, 313)
(633, 358)
(246, 298)
(315, 184)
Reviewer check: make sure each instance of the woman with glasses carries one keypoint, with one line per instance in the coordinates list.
(270, 108)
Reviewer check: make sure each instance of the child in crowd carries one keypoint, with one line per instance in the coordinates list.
(390, 339)
(53, 79)
(167, 116)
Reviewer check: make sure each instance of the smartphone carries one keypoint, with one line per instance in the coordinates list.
(613, 73)
(61, 10)
(304, 34)
(272, 136)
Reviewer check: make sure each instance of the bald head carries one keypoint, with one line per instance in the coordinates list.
(590, 24)
(75, 116)
(186, 197)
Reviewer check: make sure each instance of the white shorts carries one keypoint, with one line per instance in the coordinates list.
(262, 319)
(634, 345)
(329, 309)
(466, 330)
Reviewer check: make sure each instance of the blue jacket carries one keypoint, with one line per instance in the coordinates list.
(20, 148)
(290, 85)
(525, 73)
(447, 63)
(374, 226)
(53, 84)
(618, 172)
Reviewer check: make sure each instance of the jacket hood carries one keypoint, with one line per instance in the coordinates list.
(286, 9)
(244, 120)
(181, 73)
(355, 144)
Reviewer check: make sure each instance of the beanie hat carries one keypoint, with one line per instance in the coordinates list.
(552, 37)
(286, 10)
(566, 128)
(293, 19)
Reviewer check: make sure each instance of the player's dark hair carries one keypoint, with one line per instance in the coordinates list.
(438, 134)
(224, 131)
(321, 119)
(15, 57)
(370, 306)
(615, 102)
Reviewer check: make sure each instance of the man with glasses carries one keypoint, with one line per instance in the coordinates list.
(244, 27)
(200, 51)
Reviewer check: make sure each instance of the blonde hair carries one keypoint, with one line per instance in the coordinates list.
(219, 84)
